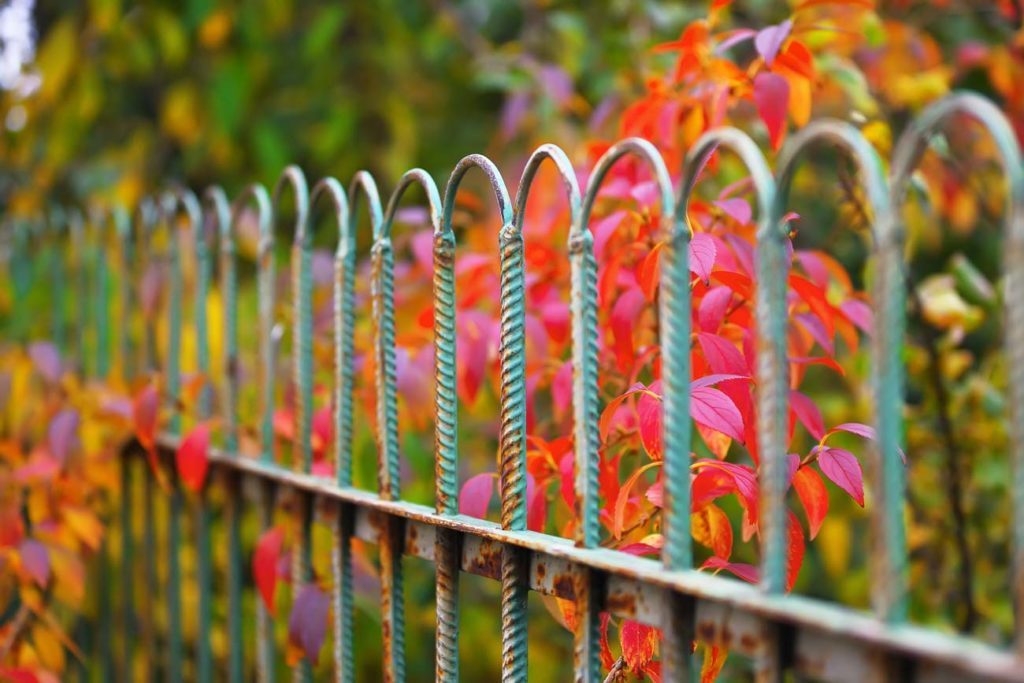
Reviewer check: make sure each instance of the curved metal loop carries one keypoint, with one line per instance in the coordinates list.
(772, 367)
(254, 196)
(445, 400)
(583, 303)
(512, 440)
(388, 475)
(293, 177)
(344, 323)
(906, 155)
(888, 556)
(171, 202)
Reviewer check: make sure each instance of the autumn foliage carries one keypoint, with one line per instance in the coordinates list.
(824, 57)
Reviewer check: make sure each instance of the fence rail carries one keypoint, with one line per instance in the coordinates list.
(781, 632)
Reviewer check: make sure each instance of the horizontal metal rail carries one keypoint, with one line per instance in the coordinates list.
(780, 631)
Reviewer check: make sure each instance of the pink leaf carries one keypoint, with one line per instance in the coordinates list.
(736, 208)
(713, 409)
(307, 624)
(46, 358)
(721, 354)
(734, 38)
(603, 229)
(264, 564)
(623, 322)
(62, 434)
(843, 468)
(771, 95)
(859, 313)
(708, 380)
(855, 428)
(561, 388)
(746, 572)
(713, 307)
(808, 414)
(476, 494)
(769, 40)
(702, 255)
(35, 559)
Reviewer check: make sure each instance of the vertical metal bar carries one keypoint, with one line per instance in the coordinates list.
(772, 385)
(341, 593)
(58, 273)
(512, 446)
(233, 520)
(80, 259)
(265, 647)
(127, 571)
(388, 484)
(152, 588)
(302, 368)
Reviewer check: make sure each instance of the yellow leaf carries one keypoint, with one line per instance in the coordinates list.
(215, 29)
(48, 648)
(57, 58)
(85, 526)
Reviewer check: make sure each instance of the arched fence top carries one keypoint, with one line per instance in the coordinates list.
(292, 177)
(334, 194)
(645, 151)
(495, 180)
(364, 185)
(566, 172)
(415, 176)
(740, 144)
(913, 142)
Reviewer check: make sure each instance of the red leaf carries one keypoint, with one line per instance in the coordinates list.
(714, 660)
(712, 408)
(608, 414)
(813, 495)
(649, 275)
(795, 554)
(264, 564)
(193, 457)
(638, 644)
(702, 255)
(145, 410)
(769, 40)
(35, 559)
(623, 322)
(607, 660)
(722, 355)
(807, 412)
(476, 494)
(843, 468)
(771, 95)
(815, 298)
(46, 358)
(307, 624)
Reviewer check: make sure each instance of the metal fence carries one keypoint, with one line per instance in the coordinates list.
(782, 633)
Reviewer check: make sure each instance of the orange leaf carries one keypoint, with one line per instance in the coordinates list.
(711, 529)
(650, 271)
(714, 659)
(193, 457)
(623, 498)
(813, 495)
(814, 296)
(264, 564)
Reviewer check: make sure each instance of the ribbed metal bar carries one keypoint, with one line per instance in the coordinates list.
(388, 484)
(266, 657)
(150, 637)
(341, 593)
(445, 408)
(512, 442)
(906, 155)
(302, 368)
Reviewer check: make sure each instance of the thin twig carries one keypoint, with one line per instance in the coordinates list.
(617, 669)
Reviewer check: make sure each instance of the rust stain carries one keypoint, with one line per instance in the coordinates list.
(541, 571)
(564, 587)
(621, 603)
